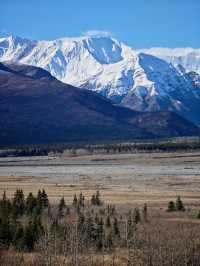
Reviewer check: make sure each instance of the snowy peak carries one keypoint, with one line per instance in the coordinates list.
(13, 47)
(189, 57)
(104, 50)
(144, 80)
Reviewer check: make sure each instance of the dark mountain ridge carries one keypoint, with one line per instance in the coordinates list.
(37, 108)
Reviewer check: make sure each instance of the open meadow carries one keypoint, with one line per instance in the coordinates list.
(154, 178)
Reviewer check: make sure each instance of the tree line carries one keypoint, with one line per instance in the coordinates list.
(170, 145)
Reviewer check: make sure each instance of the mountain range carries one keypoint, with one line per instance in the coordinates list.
(143, 80)
(37, 108)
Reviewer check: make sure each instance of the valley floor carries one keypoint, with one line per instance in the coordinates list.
(126, 180)
(130, 179)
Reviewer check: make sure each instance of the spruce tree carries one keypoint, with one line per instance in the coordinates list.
(96, 218)
(39, 197)
(112, 210)
(5, 206)
(179, 204)
(129, 227)
(81, 200)
(45, 201)
(39, 207)
(37, 226)
(109, 241)
(75, 201)
(98, 200)
(90, 229)
(31, 203)
(32, 232)
(136, 216)
(81, 224)
(4, 198)
(171, 207)
(100, 234)
(93, 200)
(18, 239)
(116, 227)
(61, 207)
(108, 222)
(18, 205)
(67, 210)
(5, 232)
(29, 236)
(145, 214)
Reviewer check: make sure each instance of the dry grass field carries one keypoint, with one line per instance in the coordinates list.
(154, 178)
(126, 180)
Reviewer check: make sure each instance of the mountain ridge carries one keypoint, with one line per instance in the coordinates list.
(35, 109)
(137, 80)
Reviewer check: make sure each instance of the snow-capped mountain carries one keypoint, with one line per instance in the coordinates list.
(102, 64)
(189, 58)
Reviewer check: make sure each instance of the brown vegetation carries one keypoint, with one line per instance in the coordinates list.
(95, 234)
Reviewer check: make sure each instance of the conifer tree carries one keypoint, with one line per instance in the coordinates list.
(31, 203)
(179, 204)
(171, 207)
(145, 215)
(136, 216)
(61, 206)
(75, 201)
(129, 227)
(39, 196)
(81, 225)
(45, 201)
(29, 236)
(96, 218)
(108, 222)
(100, 234)
(81, 200)
(93, 200)
(112, 210)
(18, 205)
(90, 229)
(67, 210)
(5, 206)
(98, 200)
(108, 209)
(116, 227)
(32, 232)
(5, 232)
(109, 241)
(18, 239)
(40, 206)
(4, 198)
(78, 209)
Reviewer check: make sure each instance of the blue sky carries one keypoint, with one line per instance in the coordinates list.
(139, 23)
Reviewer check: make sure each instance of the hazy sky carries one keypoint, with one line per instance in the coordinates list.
(139, 23)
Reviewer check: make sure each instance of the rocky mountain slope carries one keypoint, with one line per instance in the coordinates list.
(37, 108)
